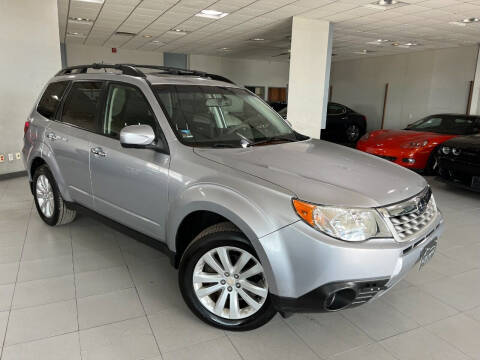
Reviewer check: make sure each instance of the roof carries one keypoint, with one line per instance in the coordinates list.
(457, 115)
(158, 75)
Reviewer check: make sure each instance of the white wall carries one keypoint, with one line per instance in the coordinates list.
(243, 72)
(78, 54)
(420, 83)
(30, 56)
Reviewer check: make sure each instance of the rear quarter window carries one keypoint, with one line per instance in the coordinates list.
(51, 98)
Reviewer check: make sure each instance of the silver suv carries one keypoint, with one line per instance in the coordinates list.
(257, 217)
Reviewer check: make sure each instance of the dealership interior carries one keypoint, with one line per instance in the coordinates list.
(354, 196)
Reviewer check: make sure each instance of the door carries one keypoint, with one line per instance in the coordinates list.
(129, 185)
(69, 137)
(336, 121)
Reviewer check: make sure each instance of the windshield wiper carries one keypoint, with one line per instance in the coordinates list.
(224, 145)
(271, 139)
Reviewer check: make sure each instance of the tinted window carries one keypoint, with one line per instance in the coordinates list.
(83, 104)
(446, 124)
(335, 109)
(51, 98)
(126, 106)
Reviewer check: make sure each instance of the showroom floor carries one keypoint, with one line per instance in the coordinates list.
(86, 291)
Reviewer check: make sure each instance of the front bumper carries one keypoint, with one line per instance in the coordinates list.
(459, 171)
(305, 267)
(399, 156)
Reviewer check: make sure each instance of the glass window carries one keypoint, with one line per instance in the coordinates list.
(126, 106)
(51, 98)
(335, 109)
(220, 116)
(446, 124)
(83, 104)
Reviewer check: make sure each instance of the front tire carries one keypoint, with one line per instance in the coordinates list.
(432, 165)
(223, 282)
(49, 202)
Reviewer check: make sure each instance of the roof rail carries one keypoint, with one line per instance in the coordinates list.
(133, 70)
(180, 71)
(82, 69)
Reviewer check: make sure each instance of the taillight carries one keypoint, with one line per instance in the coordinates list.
(26, 126)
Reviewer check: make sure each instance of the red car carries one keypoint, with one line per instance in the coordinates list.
(414, 147)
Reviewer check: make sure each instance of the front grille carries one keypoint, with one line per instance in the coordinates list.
(389, 158)
(410, 217)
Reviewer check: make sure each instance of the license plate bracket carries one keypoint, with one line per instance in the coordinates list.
(427, 253)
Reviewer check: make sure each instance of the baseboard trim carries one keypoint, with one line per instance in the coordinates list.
(13, 175)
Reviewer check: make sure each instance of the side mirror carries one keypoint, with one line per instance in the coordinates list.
(139, 136)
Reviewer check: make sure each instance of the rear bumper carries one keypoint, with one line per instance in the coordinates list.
(307, 269)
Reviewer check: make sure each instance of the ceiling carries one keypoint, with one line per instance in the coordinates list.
(427, 23)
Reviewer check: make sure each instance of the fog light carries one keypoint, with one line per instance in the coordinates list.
(408, 161)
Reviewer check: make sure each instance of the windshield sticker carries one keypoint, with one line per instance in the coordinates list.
(186, 133)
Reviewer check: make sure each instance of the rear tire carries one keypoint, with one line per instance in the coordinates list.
(48, 200)
(353, 133)
(233, 313)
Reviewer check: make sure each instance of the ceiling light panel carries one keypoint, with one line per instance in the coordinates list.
(383, 5)
(211, 14)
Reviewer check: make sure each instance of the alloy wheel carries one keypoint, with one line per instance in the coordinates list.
(45, 198)
(353, 131)
(230, 282)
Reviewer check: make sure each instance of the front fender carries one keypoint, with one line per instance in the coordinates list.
(246, 214)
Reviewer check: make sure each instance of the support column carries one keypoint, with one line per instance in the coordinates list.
(309, 80)
(475, 104)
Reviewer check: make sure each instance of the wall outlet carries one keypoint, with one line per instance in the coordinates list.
(10, 157)
(2, 158)
(18, 156)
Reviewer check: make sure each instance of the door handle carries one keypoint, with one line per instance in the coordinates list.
(53, 137)
(98, 151)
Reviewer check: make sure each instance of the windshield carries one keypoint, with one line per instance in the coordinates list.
(283, 112)
(221, 116)
(447, 124)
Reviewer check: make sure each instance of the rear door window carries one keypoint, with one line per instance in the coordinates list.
(83, 104)
(51, 98)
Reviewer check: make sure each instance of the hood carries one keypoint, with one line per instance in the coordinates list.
(396, 138)
(324, 173)
(464, 142)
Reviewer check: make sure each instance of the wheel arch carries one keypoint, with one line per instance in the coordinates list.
(43, 155)
(217, 201)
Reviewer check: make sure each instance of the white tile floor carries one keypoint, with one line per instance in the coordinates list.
(84, 291)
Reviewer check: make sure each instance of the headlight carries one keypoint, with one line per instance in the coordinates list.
(456, 151)
(416, 144)
(343, 223)
(446, 150)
